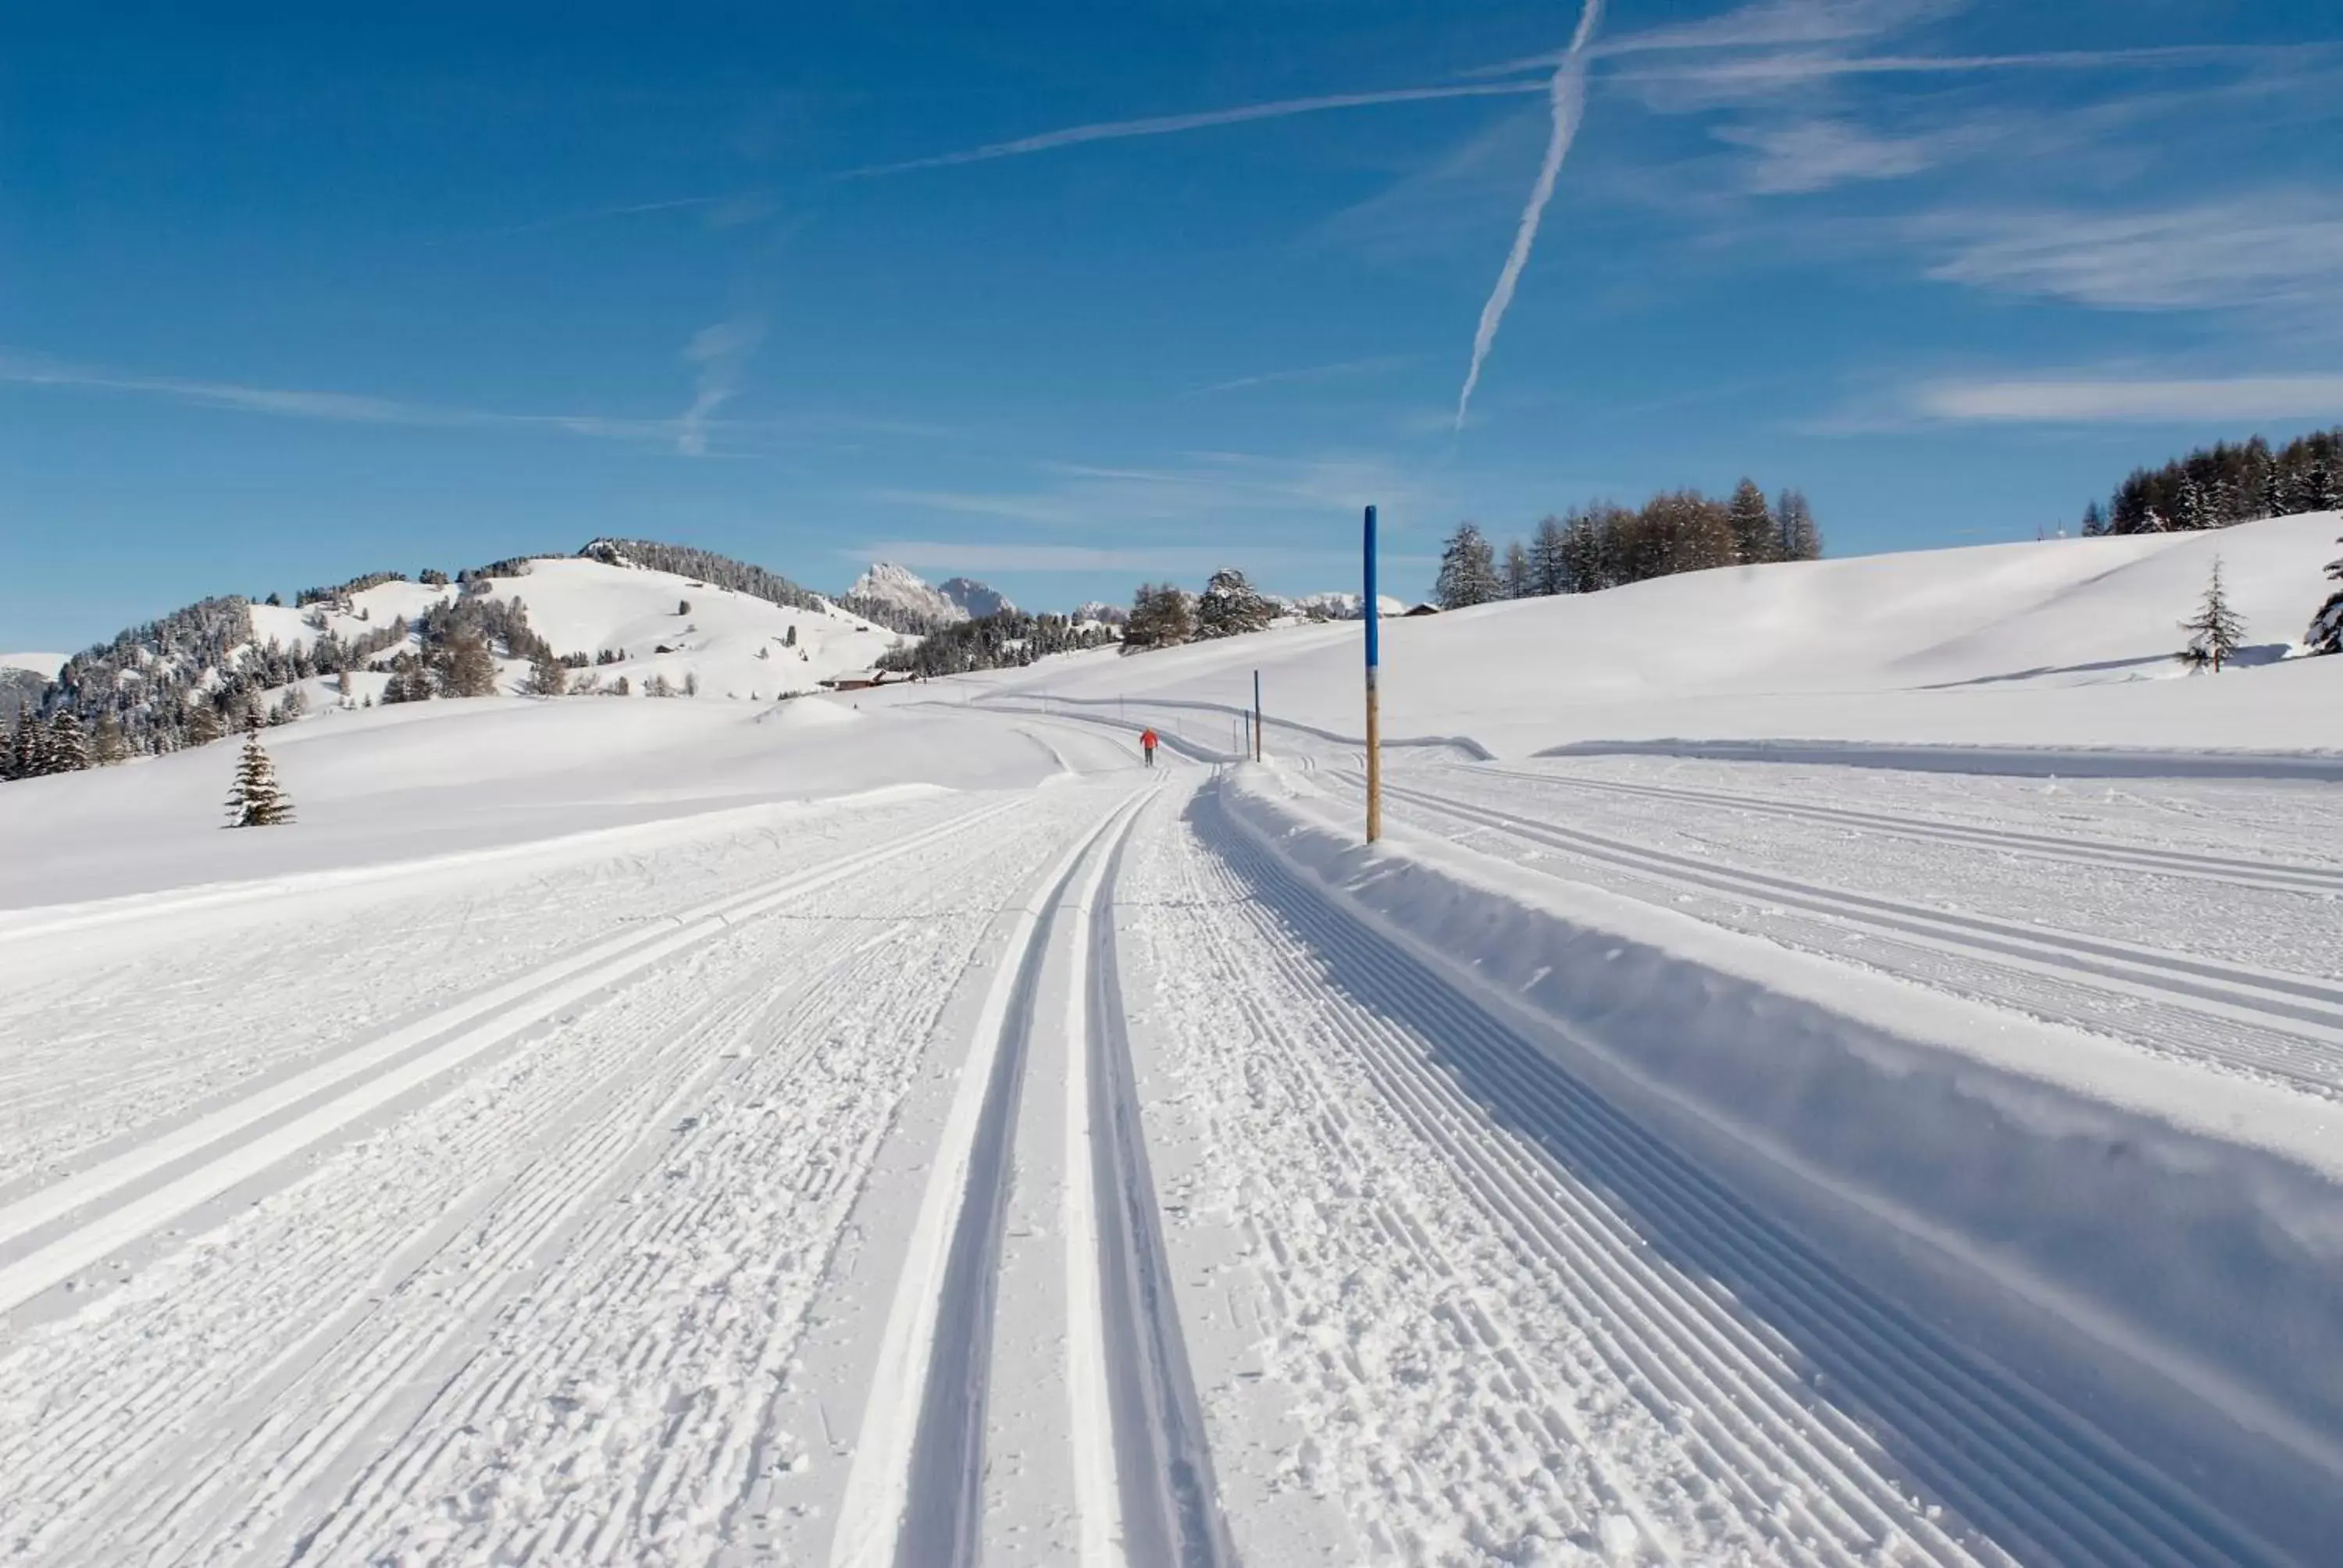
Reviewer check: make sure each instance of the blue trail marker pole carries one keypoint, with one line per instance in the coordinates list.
(1373, 611)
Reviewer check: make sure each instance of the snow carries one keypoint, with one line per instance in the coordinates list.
(2060, 644)
(1760, 1104)
(45, 665)
(956, 600)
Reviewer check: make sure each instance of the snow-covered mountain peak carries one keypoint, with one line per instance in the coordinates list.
(900, 588)
(975, 598)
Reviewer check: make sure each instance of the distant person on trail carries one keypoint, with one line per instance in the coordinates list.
(1147, 743)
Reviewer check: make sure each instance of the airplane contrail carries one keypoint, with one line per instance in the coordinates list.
(1567, 93)
(1166, 125)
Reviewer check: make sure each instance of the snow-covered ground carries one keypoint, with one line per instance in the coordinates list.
(2066, 643)
(900, 1128)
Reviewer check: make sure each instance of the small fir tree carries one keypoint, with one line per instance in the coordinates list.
(547, 676)
(2216, 631)
(2326, 633)
(1756, 534)
(256, 800)
(68, 748)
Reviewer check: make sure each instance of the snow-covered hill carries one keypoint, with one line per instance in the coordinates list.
(45, 665)
(2066, 642)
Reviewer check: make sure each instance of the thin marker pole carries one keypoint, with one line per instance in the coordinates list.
(1372, 611)
(1256, 716)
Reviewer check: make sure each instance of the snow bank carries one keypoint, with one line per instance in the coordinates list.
(2154, 1245)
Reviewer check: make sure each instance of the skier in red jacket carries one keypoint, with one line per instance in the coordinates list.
(1147, 743)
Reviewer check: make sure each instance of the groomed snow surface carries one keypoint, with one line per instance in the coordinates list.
(901, 1128)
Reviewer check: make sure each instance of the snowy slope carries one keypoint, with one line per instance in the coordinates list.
(45, 665)
(2066, 643)
(736, 644)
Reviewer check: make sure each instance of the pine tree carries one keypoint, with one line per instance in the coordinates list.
(465, 668)
(204, 725)
(549, 676)
(1550, 557)
(1802, 540)
(1757, 536)
(254, 800)
(1468, 570)
(26, 746)
(2095, 521)
(1520, 583)
(107, 747)
(2216, 631)
(68, 746)
(1582, 555)
(2326, 633)
(1230, 606)
(1162, 616)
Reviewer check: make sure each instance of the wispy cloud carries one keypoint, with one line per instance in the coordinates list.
(1010, 555)
(2274, 250)
(2130, 399)
(294, 403)
(1566, 95)
(721, 211)
(1189, 494)
(1307, 375)
(1172, 125)
(720, 352)
(1809, 155)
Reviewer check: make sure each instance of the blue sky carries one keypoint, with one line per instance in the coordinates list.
(1067, 296)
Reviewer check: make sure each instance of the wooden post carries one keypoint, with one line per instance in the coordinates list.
(1372, 609)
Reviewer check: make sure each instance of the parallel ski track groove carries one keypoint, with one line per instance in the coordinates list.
(2287, 1001)
(2269, 874)
(2030, 1474)
(340, 1081)
(87, 1444)
(942, 1518)
(1705, 1359)
(1168, 1489)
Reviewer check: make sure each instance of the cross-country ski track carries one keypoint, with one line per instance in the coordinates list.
(1064, 1174)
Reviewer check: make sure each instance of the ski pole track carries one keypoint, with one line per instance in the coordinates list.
(82, 1072)
(1169, 1513)
(1787, 1474)
(2034, 1479)
(2285, 1026)
(454, 1196)
(2268, 875)
(360, 1080)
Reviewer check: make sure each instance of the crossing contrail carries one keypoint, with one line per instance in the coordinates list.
(1567, 93)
